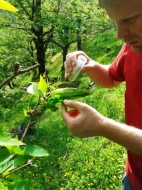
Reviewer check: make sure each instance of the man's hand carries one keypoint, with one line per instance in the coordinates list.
(86, 123)
(71, 60)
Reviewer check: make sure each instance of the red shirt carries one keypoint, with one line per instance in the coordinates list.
(128, 67)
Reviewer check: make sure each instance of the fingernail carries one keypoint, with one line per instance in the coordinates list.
(66, 101)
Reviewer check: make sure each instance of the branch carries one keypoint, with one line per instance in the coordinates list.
(27, 128)
(18, 72)
(30, 123)
(62, 46)
(32, 113)
(29, 163)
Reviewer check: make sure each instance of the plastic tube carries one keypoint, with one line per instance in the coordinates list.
(79, 64)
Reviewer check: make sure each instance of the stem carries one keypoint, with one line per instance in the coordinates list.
(29, 163)
(30, 121)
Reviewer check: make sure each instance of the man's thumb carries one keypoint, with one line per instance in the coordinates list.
(72, 104)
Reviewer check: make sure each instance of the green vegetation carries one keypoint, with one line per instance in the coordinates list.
(72, 163)
(103, 47)
(41, 29)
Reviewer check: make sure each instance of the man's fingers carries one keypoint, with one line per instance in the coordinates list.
(72, 104)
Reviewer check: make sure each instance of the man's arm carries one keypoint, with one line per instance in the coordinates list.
(99, 74)
(90, 123)
(127, 136)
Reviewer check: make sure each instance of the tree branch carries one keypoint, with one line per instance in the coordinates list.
(18, 72)
(29, 163)
(30, 123)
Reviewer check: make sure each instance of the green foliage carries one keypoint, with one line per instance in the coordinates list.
(14, 158)
(49, 95)
(26, 37)
(23, 185)
(79, 163)
(72, 163)
(103, 47)
(7, 140)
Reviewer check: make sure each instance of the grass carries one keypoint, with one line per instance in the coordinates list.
(73, 163)
(103, 47)
(78, 163)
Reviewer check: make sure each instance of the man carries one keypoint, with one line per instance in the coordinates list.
(127, 15)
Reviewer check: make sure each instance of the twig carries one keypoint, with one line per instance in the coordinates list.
(29, 163)
(30, 123)
(18, 72)
(27, 128)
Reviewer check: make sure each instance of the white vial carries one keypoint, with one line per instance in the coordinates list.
(79, 64)
(91, 138)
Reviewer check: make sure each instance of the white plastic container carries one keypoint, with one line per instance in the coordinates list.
(79, 64)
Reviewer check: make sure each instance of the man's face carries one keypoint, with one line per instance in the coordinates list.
(127, 16)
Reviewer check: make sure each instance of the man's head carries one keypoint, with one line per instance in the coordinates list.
(127, 15)
(103, 3)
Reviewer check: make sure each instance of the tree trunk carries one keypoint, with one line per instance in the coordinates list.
(37, 29)
(40, 56)
(79, 44)
(65, 51)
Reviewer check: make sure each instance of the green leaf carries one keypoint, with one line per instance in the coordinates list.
(35, 151)
(14, 177)
(20, 185)
(2, 187)
(59, 95)
(71, 93)
(15, 150)
(4, 155)
(7, 140)
(6, 166)
(54, 99)
(42, 85)
(20, 161)
(13, 164)
(25, 112)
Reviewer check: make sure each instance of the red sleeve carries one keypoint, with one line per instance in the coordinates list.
(116, 70)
